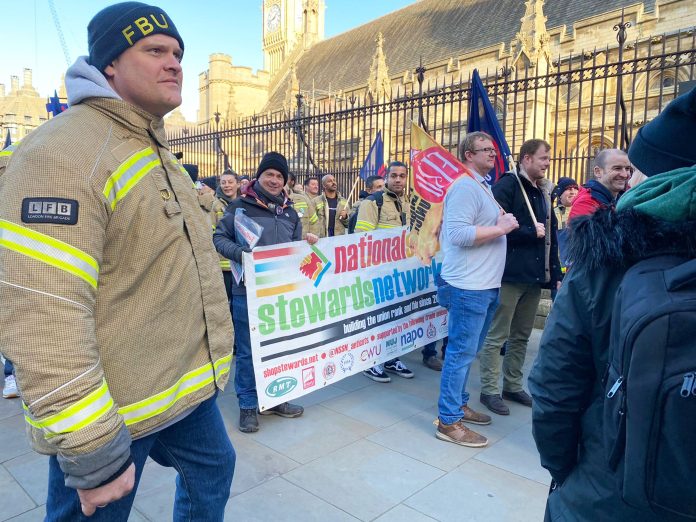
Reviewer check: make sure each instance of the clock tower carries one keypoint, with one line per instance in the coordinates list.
(287, 25)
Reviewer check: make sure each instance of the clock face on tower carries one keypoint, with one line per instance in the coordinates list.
(273, 18)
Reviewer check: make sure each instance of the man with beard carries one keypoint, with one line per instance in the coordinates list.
(332, 209)
(530, 264)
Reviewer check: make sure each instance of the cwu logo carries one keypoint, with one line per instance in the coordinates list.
(281, 386)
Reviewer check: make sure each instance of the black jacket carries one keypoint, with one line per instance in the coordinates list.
(566, 379)
(526, 260)
(282, 226)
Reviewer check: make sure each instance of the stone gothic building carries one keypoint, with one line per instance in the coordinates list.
(449, 37)
(553, 70)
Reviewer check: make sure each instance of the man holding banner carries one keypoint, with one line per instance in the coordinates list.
(264, 202)
(386, 209)
(473, 242)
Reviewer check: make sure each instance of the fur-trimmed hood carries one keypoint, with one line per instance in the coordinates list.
(620, 239)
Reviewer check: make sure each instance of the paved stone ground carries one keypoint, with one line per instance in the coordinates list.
(361, 451)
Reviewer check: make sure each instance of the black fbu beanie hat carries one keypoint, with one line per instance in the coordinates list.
(669, 141)
(118, 27)
(273, 160)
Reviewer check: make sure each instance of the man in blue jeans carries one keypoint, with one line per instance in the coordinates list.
(117, 355)
(263, 201)
(473, 242)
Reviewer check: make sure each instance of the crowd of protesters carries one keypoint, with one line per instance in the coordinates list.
(121, 375)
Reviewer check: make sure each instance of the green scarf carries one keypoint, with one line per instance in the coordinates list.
(670, 196)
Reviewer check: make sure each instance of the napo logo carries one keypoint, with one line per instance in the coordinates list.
(329, 371)
(347, 362)
(281, 386)
(308, 378)
(431, 332)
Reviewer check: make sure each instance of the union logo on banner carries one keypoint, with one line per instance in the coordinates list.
(315, 265)
(433, 167)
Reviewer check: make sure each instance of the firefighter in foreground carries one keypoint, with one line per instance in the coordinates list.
(114, 312)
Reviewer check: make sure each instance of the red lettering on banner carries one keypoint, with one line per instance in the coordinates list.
(434, 170)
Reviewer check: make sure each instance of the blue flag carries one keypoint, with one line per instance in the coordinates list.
(8, 140)
(54, 106)
(482, 118)
(374, 163)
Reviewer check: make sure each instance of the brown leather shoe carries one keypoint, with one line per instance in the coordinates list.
(475, 417)
(495, 404)
(460, 434)
(433, 363)
(521, 397)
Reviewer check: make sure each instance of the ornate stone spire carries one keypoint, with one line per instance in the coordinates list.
(532, 41)
(292, 90)
(378, 84)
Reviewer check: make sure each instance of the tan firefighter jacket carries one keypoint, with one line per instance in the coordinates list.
(322, 206)
(371, 216)
(113, 309)
(304, 206)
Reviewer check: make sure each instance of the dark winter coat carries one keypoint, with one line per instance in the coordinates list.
(566, 380)
(530, 260)
(279, 226)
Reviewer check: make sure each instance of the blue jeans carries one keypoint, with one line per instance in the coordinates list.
(8, 367)
(470, 315)
(244, 382)
(197, 447)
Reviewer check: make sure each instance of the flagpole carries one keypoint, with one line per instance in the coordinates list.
(352, 190)
(513, 168)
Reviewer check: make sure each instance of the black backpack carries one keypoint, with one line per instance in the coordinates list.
(650, 402)
(378, 198)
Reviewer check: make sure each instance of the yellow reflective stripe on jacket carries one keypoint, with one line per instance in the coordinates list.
(7, 151)
(386, 225)
(189, 383)
(225, 264)
(313, 218)
(364, 225)
(83, 413)
(49, 250)
(128, 174)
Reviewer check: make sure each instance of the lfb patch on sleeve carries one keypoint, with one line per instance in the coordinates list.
(50, 210)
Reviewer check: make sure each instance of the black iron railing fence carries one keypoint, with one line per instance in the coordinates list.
(579, 103)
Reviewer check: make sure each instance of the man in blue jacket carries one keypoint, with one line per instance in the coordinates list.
(264, 201)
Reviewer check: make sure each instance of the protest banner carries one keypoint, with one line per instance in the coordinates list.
(320, 313)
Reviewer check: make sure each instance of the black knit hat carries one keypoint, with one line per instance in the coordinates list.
(117, 27)
(210, 181)
(273, 160)
(563, 185)
(192, 171)
(669, 141)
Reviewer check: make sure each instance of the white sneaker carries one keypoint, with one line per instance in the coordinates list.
(10, 389)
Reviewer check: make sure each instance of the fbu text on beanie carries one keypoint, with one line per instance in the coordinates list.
(118, 27)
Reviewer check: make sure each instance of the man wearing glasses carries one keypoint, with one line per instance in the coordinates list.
(612, 170)
(531, 264)
(473, 243)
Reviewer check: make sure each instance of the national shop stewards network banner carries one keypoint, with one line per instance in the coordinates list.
(320, 313)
